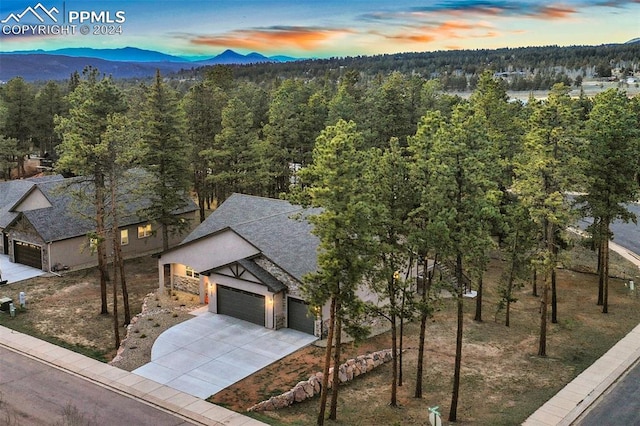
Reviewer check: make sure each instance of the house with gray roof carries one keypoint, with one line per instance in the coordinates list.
(248, 260)
(11, 193)
(46, 223)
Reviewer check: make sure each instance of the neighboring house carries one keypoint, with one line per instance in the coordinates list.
(11, 192)
(44, 226)
(248, 260)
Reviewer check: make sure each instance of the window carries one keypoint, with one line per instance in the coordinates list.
(124, 237)
(191, 273)
(144, 231)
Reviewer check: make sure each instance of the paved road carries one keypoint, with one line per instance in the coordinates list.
(625, 234)
(619, 407)
(34, 393)
(628, 234)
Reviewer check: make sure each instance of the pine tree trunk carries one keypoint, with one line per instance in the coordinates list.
(116, 325)
(101, 249)
(554, 294)
(327, 361)
(426, 284)
(453, 413)
(554, 298)
(478, 316)
(542, 345)
(394, 353)
(600, 273)
(333, 413)
(165, 237)
(605, 274)
(534, 280)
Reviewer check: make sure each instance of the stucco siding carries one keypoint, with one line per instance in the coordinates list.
(35, 200)
(210, 253)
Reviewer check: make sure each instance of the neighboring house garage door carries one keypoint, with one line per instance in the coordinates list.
(241, 304)
(299, 317)
(27, 254)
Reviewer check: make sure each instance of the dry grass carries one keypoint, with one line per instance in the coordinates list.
(503, 379)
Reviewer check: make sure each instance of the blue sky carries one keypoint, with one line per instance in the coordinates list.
(315, 28)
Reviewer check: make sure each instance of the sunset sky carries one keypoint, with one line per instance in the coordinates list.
(315, 28)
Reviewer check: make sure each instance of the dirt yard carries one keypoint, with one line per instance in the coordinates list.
(503, 380)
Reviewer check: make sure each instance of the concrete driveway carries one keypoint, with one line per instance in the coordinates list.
(210, 352)
(14, 272)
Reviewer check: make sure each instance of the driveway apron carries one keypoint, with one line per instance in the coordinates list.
(210, 352)
(14, 272)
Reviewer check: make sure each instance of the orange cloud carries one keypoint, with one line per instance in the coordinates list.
(555, 12)
(442, 30)
(271, 38)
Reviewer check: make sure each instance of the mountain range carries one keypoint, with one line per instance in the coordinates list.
(128, 62)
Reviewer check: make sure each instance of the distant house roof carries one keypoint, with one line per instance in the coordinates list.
(70, 217)
(279, 229)
(13, 191)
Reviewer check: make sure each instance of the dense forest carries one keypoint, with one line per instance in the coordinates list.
(527, 68)
(402, 168)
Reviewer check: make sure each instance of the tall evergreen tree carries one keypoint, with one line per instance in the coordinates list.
(235, 153)
(48, 104)
(464, 201)
(613, 142)
(19, 100)
(547, 169)
(82, 151)
(388, 185)
(342, 228)
(167, 159)
(501, 122)
(203, 107)
(422, 227)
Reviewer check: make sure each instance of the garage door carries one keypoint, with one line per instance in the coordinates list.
(299, 317)
(27, 254)
(241, 304)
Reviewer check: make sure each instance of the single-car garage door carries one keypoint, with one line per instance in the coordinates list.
(299, 317)
(241, 304)
(27, 254)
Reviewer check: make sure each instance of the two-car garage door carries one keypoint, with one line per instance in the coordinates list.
(241, 304)
(251, 307)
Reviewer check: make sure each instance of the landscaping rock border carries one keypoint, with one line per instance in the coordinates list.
(309, 388)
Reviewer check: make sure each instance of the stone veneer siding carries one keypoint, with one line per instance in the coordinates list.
(292, 284)
(186, 284)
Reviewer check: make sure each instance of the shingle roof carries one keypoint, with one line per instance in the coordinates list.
(68, 217)
(277, 228)
(12, 191)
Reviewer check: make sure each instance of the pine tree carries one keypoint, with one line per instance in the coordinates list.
(203, 106)
(612, 145)
(342, 228)
(82, 151)
(388, 186)
(548, 168)
(19, 101)
(167, 159)
(464, 200)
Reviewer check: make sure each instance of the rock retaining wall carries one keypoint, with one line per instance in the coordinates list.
(134, 320)
(312, 387)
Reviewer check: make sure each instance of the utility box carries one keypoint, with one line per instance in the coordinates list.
(4, 303)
